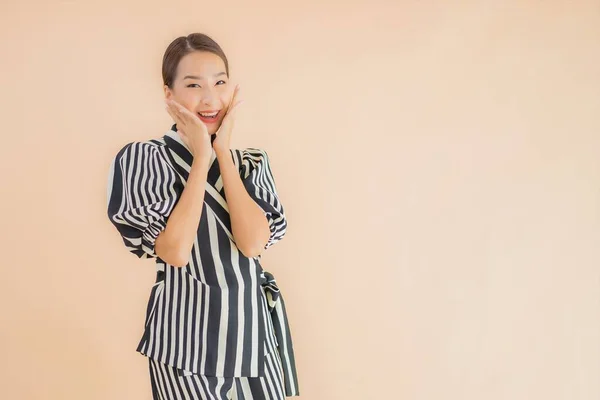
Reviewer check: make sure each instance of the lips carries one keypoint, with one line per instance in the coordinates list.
(209, 120)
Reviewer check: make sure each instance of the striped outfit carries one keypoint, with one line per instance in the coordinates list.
(167, 384)
(221, 318)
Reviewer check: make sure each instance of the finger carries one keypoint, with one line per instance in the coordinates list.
(192, 119)
(174, 103)
(175, 117)
(233, 102)
(171, 109)
(172, 113)
(187, 117)
(234, 109)
(235, 95)
(177, 110)
(184, 113)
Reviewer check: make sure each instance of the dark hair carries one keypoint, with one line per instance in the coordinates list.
(184, 45)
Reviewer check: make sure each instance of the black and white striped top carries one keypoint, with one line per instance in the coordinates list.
(221, 313)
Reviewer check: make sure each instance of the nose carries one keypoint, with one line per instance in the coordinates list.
(208, 97)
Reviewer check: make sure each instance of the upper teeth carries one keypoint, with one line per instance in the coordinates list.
(209, 115)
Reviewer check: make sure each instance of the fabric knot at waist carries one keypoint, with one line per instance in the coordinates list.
(276, 307)
(271, 289)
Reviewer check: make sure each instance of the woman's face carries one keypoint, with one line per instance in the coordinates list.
(201, 85)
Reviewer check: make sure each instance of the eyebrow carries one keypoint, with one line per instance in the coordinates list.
(201, 77)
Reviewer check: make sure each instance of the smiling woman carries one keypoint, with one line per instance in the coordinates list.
(196, 75)
(216, 324)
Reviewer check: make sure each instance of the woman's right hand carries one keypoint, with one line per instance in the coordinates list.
(193, 131)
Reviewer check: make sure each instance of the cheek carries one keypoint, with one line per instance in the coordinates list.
(227, 94)
(188, 99)
(190, 102)
(184, 101)
(225, 99)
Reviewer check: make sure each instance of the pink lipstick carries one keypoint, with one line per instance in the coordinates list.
(206, 118)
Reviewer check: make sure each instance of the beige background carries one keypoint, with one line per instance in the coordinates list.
(438, 163)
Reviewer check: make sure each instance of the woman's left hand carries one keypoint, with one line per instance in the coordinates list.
(223, 139)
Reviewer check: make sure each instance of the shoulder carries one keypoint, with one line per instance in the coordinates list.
(141, 152)
(254, 154)
(147, 146)
(251, 160)
(249, 156)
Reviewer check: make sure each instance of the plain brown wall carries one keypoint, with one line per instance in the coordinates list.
(438, 162)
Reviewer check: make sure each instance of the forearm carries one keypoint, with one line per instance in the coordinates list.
(249, 226)
(174, 244)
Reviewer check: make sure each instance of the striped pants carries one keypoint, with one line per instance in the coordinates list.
(167, 385)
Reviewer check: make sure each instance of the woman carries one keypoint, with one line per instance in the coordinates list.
(215, 326)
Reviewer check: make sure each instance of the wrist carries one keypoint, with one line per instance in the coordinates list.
(220, 152)
(200, 164)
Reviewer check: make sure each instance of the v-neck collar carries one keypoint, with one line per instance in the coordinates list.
(174, 134)
(183, 157)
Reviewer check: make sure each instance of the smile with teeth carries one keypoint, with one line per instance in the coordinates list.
(208, 115)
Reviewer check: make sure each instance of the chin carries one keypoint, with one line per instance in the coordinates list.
(214, 130)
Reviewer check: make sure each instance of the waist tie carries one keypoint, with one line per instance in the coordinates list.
(276, 307)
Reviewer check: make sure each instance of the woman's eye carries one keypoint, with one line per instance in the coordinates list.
(195, 84)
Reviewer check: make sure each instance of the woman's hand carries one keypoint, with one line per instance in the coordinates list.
(222, 142)
(193, 131)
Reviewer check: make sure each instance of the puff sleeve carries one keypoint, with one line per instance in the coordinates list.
(260, 184)
(141, 195)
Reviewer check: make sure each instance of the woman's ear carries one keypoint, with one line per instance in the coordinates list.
(168, 93)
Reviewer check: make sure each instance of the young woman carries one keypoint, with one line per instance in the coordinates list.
(216, 326)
